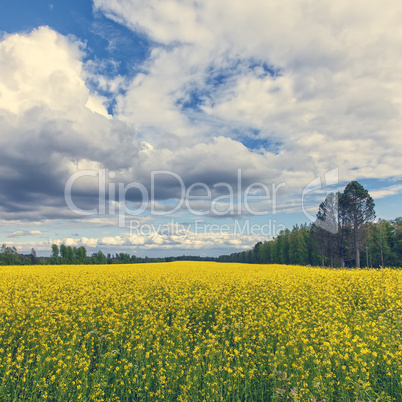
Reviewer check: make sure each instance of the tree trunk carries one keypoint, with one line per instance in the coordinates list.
(367, 257)
(356, 239)
(340, 246)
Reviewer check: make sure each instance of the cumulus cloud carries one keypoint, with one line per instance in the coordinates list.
(72, 242)
(51, 124)
(322, 79)
(91, 243)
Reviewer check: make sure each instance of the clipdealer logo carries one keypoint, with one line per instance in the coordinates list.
(198, 199)
(235, 200)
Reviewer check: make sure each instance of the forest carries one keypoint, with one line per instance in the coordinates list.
(345, 234)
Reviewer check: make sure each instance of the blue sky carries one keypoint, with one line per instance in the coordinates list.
(195, 94)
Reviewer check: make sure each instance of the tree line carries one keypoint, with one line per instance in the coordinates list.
(343, 235)
(10, 256)
(73, 255)
(68, 255)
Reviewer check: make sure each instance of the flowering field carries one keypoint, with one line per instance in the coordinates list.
(188, 331)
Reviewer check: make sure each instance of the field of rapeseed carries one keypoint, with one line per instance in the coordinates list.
(193, 331)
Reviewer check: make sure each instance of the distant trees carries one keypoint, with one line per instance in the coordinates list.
(80, 255)
(306, 245)
(100, 258)
(343, 230)
(9, 255)
(298, 252)
(67, 255)
(33, 257)
(289, 247)
(63, 253)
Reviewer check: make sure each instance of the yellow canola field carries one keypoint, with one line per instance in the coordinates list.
(194, 331)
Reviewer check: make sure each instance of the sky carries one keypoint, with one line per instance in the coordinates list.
(173, 127)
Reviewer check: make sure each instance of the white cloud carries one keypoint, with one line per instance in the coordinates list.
(20, 233)
(91, 243)
(339, 79)
(72, 242)
(44, 99)
(51, 124)
(27, 246)
(387, 191)
(41, 68)
(113, 241)
(185, 240)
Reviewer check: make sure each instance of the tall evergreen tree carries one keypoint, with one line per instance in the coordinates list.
(358, 207)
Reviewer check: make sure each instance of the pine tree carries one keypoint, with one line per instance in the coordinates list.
(358, 207)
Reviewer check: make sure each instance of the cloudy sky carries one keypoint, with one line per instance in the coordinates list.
(192, 127)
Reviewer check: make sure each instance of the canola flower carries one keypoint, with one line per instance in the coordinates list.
(200, 331)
